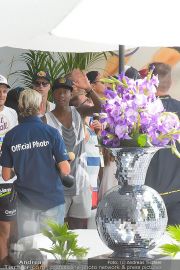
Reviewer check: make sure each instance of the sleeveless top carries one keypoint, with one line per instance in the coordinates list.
(74, 141)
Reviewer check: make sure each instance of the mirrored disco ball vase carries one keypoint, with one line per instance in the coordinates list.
(131, 216)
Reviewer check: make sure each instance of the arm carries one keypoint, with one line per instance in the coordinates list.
(64, 167)
(61, 155)
(85, 110)
(97, 126)
(81, 81)
(6, 173)
(6, 160)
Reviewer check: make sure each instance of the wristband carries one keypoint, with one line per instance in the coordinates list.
(89, 92)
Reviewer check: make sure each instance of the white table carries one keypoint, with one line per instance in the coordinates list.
(87, 238)
(90, 239)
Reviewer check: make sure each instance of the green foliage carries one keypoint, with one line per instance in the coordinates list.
(174, 248)
(83, 61)
(138, 140)
(142, 140)
(64, 242)
(170, 249)
(58, 65)
(35, 62)
(174, 232)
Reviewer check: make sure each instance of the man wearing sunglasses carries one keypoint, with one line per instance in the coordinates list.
(98, 86)
(41, 83)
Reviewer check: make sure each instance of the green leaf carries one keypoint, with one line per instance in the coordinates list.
(46, 250)
(174, 232)
(58, 65)
(142, 140)
(170, 249)
(48, 234)
(64, 242)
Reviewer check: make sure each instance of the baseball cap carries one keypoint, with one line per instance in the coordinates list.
(42, 74)
(62, 83)
(3, 80)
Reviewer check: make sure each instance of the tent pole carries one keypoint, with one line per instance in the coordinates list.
(121, 58)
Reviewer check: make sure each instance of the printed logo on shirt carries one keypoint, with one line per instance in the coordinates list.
(30, 145)
(10, 212)
(4, 127)
(5, 191)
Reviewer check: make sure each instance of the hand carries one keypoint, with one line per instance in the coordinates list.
(71, 156)
(80, 80)
(77, 91)
(97, 126)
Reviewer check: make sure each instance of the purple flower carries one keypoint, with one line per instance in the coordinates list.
(134, 109)
(110, 94)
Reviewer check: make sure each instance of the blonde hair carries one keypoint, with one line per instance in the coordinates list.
(29, 102)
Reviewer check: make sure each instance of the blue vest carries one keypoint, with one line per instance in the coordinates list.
(33, 149)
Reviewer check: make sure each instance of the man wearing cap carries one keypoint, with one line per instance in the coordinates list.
(69, 123)
(41, 83)
(8, 119)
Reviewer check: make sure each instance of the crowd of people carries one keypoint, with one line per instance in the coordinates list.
(38, 138)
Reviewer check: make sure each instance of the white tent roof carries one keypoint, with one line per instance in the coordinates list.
(127, 22)
(27, 24)
(88, 25)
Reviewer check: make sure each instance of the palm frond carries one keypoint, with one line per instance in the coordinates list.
(58, 65)
(83, 61)
(170, 249)
(174, 232)
(64, 242)
(174, 248)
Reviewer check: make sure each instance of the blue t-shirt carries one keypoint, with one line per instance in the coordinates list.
(33, 149)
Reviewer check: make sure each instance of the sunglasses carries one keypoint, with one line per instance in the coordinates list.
(41, 83)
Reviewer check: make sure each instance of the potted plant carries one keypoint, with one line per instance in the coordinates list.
(134, 116)
(132, 216)
(64, 243)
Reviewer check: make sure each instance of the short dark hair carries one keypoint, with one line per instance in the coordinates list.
(13, 97)
(164, 75)
(132, 73)
(92, 75)
(160, 69)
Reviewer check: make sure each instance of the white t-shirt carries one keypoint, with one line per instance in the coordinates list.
(74, 141)
(51, 106)
(8, 120)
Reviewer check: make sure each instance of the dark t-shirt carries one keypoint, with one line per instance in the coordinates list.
(33, 149)
(164, 171)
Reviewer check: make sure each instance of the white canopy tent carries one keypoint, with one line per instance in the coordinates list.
(88, 25)
(128, 22)
(28, 24)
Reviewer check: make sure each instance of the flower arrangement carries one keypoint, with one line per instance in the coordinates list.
(134, 116)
